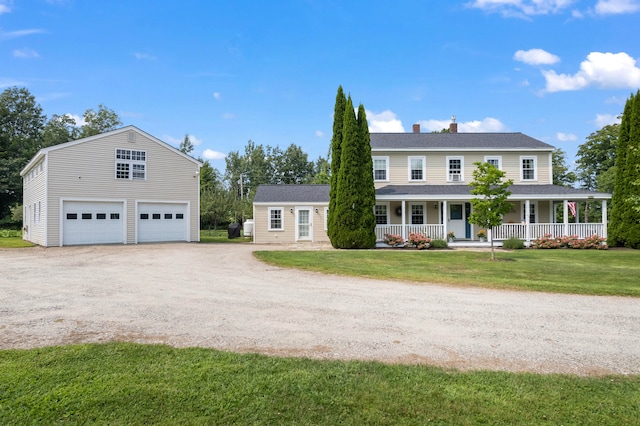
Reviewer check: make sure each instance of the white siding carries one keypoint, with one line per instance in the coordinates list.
(35, 204)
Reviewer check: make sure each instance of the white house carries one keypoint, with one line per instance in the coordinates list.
(422, 185)
(119, 187)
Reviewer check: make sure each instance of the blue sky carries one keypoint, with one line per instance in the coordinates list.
(226, 72)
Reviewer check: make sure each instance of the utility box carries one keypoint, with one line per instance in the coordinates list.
(248, 228)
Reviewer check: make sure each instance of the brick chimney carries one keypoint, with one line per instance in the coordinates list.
(453, 126)
(416, 128)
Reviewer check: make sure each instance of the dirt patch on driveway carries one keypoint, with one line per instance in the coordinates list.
(220, 296)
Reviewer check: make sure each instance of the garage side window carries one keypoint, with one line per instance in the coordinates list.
(276, 219)
(131, 164)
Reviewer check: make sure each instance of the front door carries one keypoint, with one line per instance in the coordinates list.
(456, 220)
(304, 224)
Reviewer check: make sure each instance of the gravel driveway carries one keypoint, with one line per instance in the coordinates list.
(220, 296)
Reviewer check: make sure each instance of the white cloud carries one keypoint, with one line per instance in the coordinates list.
(385, 122)
(536, 57)
(216, 95)
(566, 137)
(6, 82)
(616, 7)
(144, 56)
(195, 140)
(20, 33)
(78, 119)
(604, 70)
(228, 116)
(487, 125)
(210, 154)
(521, 8)
(319, 133)
(4, 8)
(605, 119)
(25, 53)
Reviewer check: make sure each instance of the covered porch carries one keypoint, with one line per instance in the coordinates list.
(537, 210)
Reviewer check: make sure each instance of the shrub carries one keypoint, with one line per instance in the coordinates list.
(570, 241)
(394, 240)
(513, 243)
(439, 244)
(419, 241)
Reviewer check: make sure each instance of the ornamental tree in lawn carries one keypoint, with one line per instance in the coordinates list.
(624, 226)
(336, 153)
(492, 204)
(353, 210)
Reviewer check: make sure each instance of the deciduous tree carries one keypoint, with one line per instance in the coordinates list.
(489, 184)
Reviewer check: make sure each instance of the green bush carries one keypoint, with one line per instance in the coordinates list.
(10, 233)
(439, 244)
(513, 243)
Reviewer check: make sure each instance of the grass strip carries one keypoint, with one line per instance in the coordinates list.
(126, 383)
(611, 272)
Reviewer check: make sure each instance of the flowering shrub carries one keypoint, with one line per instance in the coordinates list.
(393, 240)
(419, 241)
(571, 241)
(482, 233)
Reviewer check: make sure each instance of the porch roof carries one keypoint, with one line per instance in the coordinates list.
(457, 192)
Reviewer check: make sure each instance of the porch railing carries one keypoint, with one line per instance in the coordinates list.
(502, 232)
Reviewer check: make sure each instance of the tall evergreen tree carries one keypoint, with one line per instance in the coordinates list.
(624, 226)
(353, 212)
(336, 154)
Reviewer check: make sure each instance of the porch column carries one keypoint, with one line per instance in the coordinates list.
(565, 216)
(404, 225)
(527, 218)
(444, 219)
(604, 219)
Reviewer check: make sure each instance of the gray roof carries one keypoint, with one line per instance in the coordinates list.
(292, 194)
(441, 141)
(543, 191)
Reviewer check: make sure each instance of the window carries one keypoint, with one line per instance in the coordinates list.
(528, 168)
(326, 217)
(156, 215)
(101, 216)
(115, 216)
(532, 211)
(455, 211)
(131, 164)
(168, 216)
(381, 168)
(455, 166)
(276, 221)
(179, 216)
(417, 214)
(144, 216)
(380, 211)
(72, 216)
(495, 161)
(416, 168)
(87, 216)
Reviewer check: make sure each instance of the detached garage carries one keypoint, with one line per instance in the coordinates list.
(125, 187)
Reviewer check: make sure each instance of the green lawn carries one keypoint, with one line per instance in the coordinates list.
(12, 239)
(598, 272)
(122, 383)
(220, 236)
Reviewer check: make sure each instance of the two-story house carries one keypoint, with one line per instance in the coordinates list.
(422, 185)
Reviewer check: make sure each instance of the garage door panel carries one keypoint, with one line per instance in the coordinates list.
(162, 222)
(92, 222)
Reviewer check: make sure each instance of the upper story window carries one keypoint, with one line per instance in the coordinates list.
(417, 168)
(455, 166)
(495, 161)
(381, 168)
(381, 213)
(131, 164)
(528, 168)
(276, 219)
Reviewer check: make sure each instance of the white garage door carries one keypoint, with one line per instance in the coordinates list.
(162, 222)
(88, 222)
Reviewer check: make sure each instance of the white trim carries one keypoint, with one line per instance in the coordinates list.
(269, 228)
(494, 157)
(448, 170)
(386, 160)
(535, 168)
(310, 211)
(423, 159)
